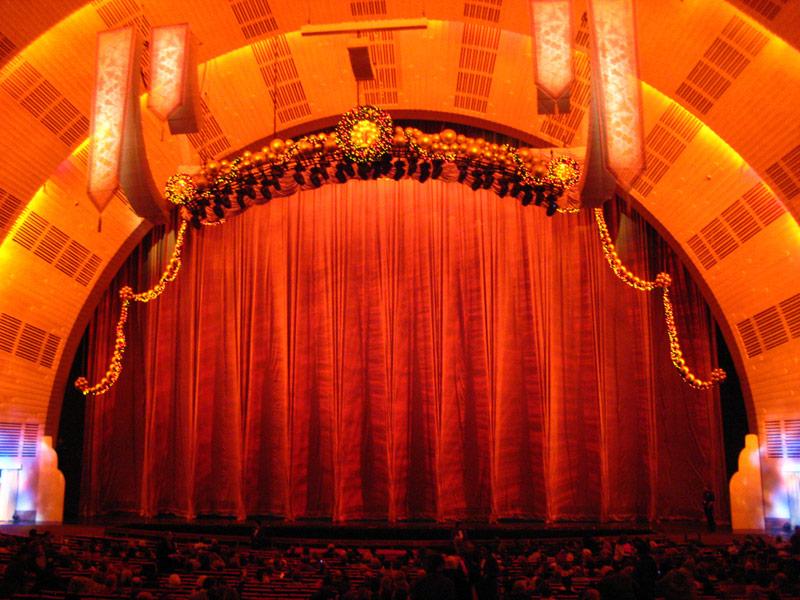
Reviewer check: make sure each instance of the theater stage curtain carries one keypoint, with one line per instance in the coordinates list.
(403, 351)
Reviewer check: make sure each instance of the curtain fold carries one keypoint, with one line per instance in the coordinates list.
(392, 350)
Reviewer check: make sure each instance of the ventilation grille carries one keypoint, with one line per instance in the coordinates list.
(483, 10)
(382, 90)
(27, 341)
(123, 13)
(783, 438)
(772, 327)
(9, 329)
(582, 35)
(30, 342)
(702, 251)
(747, 332)
(367, 8)
(785, 173)
(48, 242)
(254, 17)
(43, 101)
(791, 438)
(673, 131)
(564, 126)
(479, 45)
(721, 64)
(210, 141)
(82, 157)
(765, 8)
(7, 48)
(279, 72)
(9, 208)
(764, 204)
(737, 224)
(741, 222)
(790, 308)
(18, 440)
(719, 238)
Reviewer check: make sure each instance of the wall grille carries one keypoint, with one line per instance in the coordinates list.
(483, 10)
(747, 332)
(7, 48)
(53, 246)
(774, 439)
(367, 8)
(254, 17)
(27, 341)
(719, 238)
(43, 101)
(382, 90)
(721, 63)
(785, 173)
(772, 327)
(279, 72)
(790, 308)
(737, 224)
(765, 8)
(10, 206)
(674, 130)
(18, 440)
(210, 141)
(9, 329)
(702, 251)
(479, 44)
(783, 438)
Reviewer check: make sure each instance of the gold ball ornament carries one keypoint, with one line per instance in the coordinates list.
(305, 147)
(448, 136)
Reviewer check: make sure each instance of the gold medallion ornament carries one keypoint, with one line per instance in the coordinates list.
(564, 170)
(364, 134)
(180, 189)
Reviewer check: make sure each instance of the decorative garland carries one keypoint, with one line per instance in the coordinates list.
(363, 144)
(663, 281)
(127, 295)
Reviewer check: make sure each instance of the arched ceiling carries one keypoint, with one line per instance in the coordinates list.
(721, 85)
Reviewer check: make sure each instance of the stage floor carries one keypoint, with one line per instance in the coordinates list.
(364, 533)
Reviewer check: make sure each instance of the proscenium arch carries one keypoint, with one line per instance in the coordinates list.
(741, 287)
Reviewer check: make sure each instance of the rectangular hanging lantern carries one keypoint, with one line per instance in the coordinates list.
(551, 29)
(615, 70)
(173, 89)
(117, 152)
(116, 51)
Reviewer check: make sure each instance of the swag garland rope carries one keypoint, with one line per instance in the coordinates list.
(364, 134)
(664, 281)
(127, 295)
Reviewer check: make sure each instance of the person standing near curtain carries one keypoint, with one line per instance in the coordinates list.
(708, 508)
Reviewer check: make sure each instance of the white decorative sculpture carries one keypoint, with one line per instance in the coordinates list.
(50, 487)
(747, 498)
